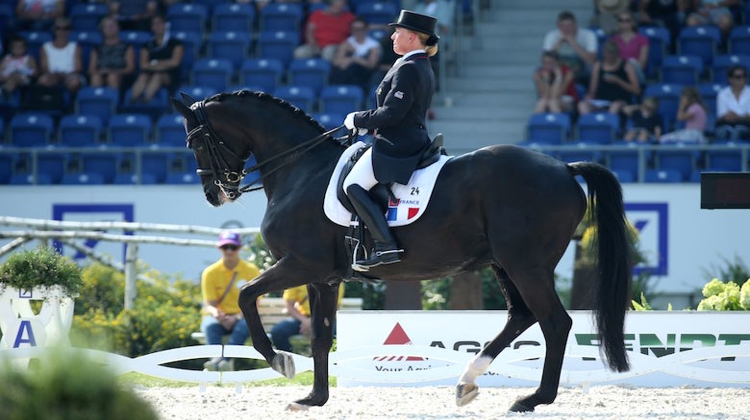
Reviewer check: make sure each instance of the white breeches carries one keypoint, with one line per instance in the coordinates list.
(362, 173)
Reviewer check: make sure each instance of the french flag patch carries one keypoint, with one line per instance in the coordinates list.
(399, 211)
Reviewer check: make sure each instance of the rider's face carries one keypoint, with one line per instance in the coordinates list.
(402, 40)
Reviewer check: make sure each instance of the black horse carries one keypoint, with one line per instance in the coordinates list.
(503, 206)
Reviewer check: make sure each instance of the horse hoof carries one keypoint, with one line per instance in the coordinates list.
(465, 393)
(295, 406)
(284, 364)
(519, 408)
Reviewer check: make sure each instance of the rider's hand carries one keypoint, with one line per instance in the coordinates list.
(349, 124)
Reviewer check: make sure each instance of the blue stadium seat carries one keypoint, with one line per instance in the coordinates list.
(341, 99)
(99, 101)
(681, 69)
(133, 179)
(624, 176)
(198, 92)
(377, 13)
(626, 160)
(266, 73)
(130, 130)
(79, 130)
(727, 160)
(585, 151)
(234, 17)
(31, 129)
(52, 163)
(329, 121)
(723, 62)
(182, 178)
(82, 178)
(212, 72)
(155, 162)
(311, 72)
(702, 41)
(231, 45)
(302, 97)
(235, 88)
(87, 40)
(86, 16)
(600, 127)
(192, 41)
(551, 128)
(7, 164)
(154, 108)
(281, 17)
(136, 38)
(669, 100)
(211, 5)
(681, 161)
(30, 179)
(662, 176)
(739, 40)
(278, 45)
(187, 17)
(170, 130)
(103, 162)
(659, 40)
(34, 41)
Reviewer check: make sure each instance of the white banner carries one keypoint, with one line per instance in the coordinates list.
(432, 348)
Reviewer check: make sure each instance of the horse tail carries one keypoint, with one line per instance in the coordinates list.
(613, 297)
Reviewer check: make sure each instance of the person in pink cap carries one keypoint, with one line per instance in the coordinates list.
(220, 286)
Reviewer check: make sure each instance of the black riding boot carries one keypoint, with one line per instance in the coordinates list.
(386, 250)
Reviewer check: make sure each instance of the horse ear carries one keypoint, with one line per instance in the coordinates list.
(186, 99)
(181, 108)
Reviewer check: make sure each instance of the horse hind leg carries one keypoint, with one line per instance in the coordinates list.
(519, 320)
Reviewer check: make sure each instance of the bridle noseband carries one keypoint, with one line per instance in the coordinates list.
(225, 178)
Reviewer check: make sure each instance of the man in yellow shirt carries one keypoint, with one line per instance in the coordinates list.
(220, 286)
(298, 307)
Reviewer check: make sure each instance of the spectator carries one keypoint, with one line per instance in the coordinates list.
(607, 12)
(733, 107)
(577, 47)
(325, 30)
(443, 11)
(714, 12)
(668, 13)
(18, 67)
(134, 15)
(61, 63)
(37, 15)
(113, 59)
(220, 287)
(613, 83)
(554, 84)
(633, 45)
(692, 111)
(159, 62)
(645, 121)
(356, 58)
(298, 323)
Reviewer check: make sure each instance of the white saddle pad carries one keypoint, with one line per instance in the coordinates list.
(411, 199)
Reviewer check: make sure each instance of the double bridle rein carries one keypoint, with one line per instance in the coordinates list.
(225, 178)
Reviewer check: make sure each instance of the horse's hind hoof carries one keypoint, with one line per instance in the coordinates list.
(284, 364)
(295, 406)
(465, 393)
(519, 408)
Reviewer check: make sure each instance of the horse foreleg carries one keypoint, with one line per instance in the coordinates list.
(323, 301)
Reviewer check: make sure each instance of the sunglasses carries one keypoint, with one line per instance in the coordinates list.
(62, 28)
(625, 20)
(229, 247)
(738, 76)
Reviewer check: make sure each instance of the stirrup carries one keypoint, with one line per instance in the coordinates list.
(388, 256)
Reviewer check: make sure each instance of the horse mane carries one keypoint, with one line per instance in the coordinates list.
(263, 96)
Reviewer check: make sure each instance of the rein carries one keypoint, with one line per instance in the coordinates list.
(214, 142)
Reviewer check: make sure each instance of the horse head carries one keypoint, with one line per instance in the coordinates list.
(220, 163)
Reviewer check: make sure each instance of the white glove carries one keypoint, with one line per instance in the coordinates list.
(349, 124)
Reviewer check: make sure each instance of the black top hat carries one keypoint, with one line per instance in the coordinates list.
(419, 23)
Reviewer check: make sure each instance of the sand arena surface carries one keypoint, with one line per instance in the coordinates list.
(361, 403)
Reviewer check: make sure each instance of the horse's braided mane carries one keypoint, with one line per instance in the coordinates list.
(270, 99)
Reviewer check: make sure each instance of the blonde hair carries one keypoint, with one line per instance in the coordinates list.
(429, 49)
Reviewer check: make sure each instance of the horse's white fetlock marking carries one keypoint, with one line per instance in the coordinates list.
(477, 366)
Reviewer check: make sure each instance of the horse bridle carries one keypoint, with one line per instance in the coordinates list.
(229, 182)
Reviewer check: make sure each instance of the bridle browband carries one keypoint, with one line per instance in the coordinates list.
(229, 182)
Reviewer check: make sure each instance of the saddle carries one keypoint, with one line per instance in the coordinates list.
(381, 193)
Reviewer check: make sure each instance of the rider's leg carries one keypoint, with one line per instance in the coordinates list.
(356, 185)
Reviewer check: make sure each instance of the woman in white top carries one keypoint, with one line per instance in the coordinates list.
(356, 58)
(733, 107)
(61, 60)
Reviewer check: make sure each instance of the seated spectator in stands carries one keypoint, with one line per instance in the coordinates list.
(692, 111)
(325, 30)
(159, 62)
(443, 11)
(134, 15)
(356, 58)
(18, 67)
(113, 59)
(668, 13)
(714, 12)
(607, 13)
(387, 58)
(577, 47)
(633, 45)
(613, 83)
(37, 15)
(645, 123)
(733, 107)
(61, 63)
(554, 84)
